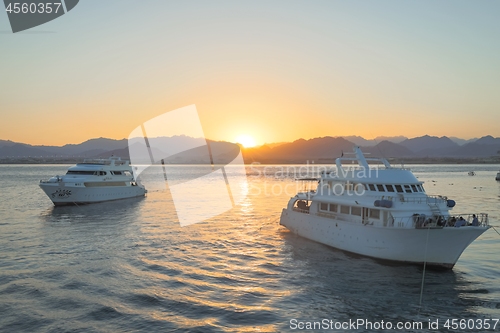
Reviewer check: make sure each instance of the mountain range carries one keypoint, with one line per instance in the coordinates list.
(298, 151)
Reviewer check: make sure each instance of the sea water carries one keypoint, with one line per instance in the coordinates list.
(128, 266)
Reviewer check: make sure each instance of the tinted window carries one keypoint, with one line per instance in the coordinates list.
(333, 208)
(372, 187)
(323, 206)
(380, 187)
(374, 213)
(80, 172)
(399, 188)
(344, 209)
(356, 211)
(390, 188)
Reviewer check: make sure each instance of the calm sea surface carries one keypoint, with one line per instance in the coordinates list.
(128, 266)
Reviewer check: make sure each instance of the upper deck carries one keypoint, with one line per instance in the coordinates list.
(378, 172)
(112, 161)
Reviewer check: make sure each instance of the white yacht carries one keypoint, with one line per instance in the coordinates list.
(382, 212)
(93, 181)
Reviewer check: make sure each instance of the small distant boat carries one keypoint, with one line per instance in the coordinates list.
(382, 213)
(471, 173)
(498, 176)
(92, 181)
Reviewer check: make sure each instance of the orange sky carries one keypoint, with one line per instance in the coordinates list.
(275, 71)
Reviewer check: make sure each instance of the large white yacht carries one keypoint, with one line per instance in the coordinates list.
(382, 212)
(93, 181)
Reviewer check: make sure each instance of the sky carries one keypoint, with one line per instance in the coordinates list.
(274, 71)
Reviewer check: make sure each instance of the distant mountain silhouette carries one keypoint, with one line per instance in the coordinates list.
(389, 149)
(91, 147)
(488, 140)
(461, 142)
(313, 149)
(427, 145)
(360, 141)
(394, 139)
(324, 149)
(13, 149)
(475, 149)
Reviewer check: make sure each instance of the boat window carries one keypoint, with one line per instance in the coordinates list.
(374, 213)
(102, 173)
(323, 206)
(76, 172)
(344, 209)
(356, 211)
(333, 208)
(117, 173)
(372, 187)
(390, 188)
(421, 188)
(127, 173)
(399, 188)
(407, 189)
(380, 188)
(414, 188)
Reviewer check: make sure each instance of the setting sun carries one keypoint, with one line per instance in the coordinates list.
(246, 141)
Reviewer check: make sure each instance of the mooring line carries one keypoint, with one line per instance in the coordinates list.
(496, 230)
(423, 273)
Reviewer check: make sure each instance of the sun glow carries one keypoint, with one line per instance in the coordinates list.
(246, 141)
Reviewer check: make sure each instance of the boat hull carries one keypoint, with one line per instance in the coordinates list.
(62, 195)
(436, 247)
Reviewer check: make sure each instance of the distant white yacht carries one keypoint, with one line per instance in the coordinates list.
(382, 213)
(93, 181)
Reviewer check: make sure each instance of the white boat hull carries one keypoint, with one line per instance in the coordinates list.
(437, 247)
(61, 194)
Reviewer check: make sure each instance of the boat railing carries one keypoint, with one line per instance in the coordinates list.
(340, 217)
(442, 221)
(56, 179)
(101, 161)
(428, 199)
(299, 210)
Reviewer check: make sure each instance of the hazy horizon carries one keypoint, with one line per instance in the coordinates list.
(265, 143)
